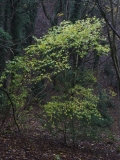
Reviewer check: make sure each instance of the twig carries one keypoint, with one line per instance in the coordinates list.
(13, 110)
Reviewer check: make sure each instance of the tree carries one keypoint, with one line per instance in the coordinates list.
(51, 13)
(16, 30)
(51, 55)
(16, 27)
(75, 102)
(110, 11)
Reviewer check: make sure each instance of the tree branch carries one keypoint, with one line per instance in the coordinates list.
(106, 19)
(12, 105)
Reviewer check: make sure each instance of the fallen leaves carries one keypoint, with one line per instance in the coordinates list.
(36, 146)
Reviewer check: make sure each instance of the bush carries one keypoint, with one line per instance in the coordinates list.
(69, 112)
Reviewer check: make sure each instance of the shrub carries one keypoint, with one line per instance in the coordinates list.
(67, 113)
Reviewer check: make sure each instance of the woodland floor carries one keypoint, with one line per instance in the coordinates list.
(34, 144)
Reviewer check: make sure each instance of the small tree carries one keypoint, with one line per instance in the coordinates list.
(61, 49)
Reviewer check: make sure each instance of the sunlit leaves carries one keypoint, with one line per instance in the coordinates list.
(69, 112)
(50, 54)
(81, 103)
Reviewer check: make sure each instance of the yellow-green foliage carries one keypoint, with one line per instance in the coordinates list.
(70, 112)
(80, 103)
(50, 55)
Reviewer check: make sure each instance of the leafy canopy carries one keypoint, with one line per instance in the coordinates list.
(50, 55)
